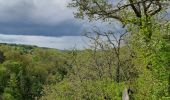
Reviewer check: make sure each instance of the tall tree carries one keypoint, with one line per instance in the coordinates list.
(135, 12)
(140, 16)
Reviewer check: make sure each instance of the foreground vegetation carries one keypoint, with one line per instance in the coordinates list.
(30, 73)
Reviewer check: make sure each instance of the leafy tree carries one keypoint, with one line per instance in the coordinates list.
(142, 20)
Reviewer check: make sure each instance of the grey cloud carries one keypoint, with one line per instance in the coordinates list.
(38, 17)
(37, 11)
(68, 28)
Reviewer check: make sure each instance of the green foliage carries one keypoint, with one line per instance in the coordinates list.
(7, 96)
(86, 90)
(151, 60)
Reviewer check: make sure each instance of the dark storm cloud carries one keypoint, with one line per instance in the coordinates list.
(37, 17)
(65, 28)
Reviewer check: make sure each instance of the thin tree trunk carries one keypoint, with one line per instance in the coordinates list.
(125, 95)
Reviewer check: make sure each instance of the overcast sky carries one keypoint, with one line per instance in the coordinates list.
(50, 23)
(38, 17)
(51, 18)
